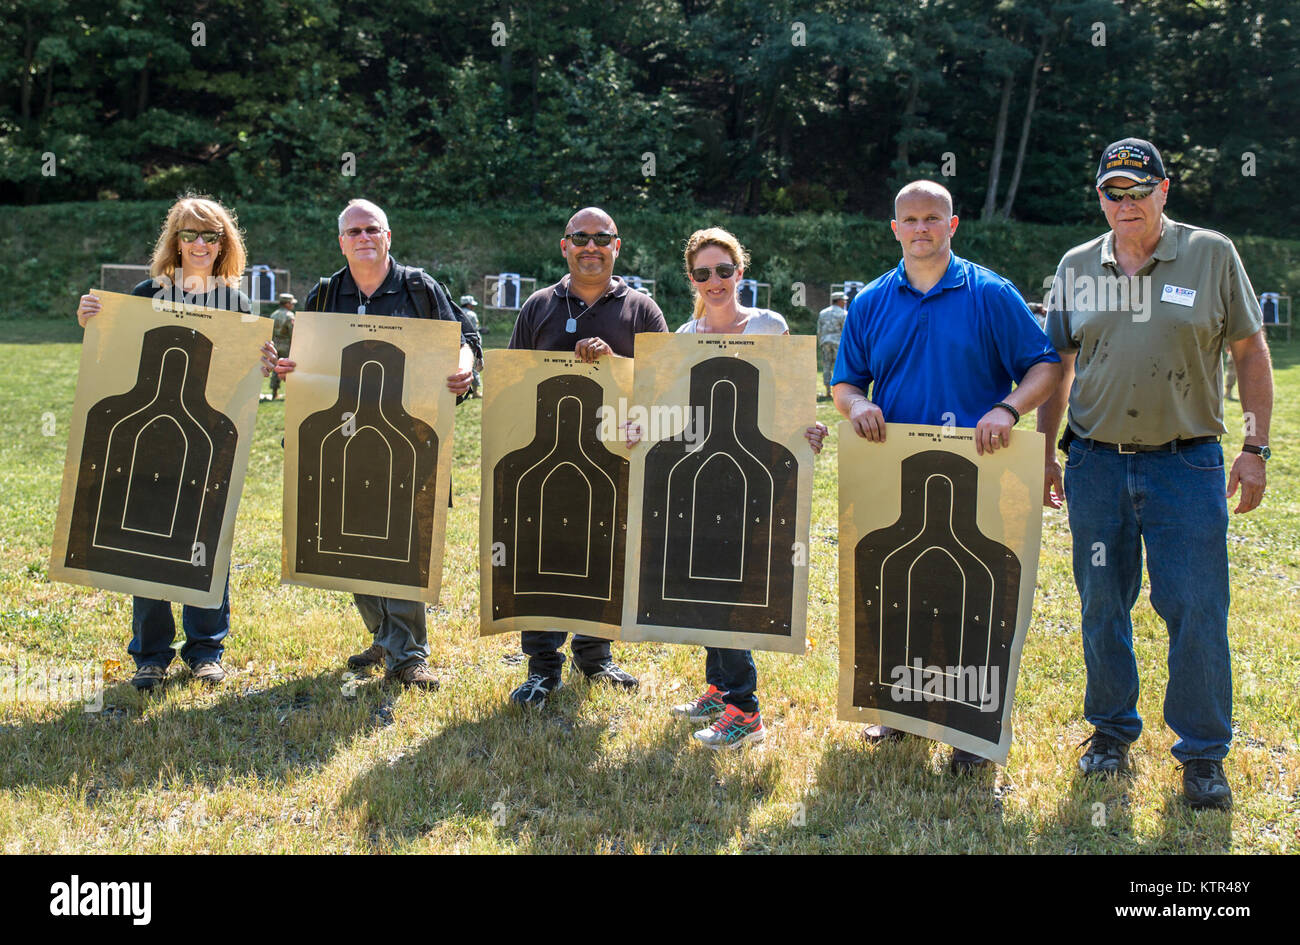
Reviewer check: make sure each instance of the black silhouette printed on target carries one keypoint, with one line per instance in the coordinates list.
(932, 588)
(155, 470)
(718, 517)
(560, 513)
(367, 476)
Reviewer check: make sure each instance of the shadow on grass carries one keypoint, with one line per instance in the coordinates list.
(562, 781)
(892, 798)
(186, 735)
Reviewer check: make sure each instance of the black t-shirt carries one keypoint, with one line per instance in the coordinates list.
(615, 318)
(221, 296)
(393, 297)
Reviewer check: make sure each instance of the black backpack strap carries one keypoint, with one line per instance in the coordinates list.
(420, 292)
(323, 293)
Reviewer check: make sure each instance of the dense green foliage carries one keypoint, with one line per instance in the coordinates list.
(746, 106)
(51, 254)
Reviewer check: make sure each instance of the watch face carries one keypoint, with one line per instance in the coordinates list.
(1265, 453)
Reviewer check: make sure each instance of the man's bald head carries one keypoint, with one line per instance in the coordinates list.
(925, 188)
(591, 220)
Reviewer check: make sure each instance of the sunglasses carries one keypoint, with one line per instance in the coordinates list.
(582, 239)
(209, 236)
(353, 232)
(1136, 192)
(724, 271)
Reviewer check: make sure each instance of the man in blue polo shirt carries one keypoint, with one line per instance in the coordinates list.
(940, 341)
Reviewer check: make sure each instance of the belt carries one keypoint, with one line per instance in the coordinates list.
(1173, 446)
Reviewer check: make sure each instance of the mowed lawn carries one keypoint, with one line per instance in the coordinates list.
(293, 755)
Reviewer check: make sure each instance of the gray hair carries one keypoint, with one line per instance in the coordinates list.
(364, 205)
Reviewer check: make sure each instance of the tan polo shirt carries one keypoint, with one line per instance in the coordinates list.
(1148, 368)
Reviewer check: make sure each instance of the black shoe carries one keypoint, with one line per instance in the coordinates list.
(609, 672)
(966, 762)
(532, 694)
(148, 676)
(1205, 784)
(1106, 754)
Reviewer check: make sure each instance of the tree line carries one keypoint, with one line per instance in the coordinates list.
(747, 106)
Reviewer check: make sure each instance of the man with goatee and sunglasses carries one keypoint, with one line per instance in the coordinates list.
(1140, 316)
(594, 314)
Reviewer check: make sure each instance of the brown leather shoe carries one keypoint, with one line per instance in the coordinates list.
(373, 655)
(209, 672)
(413, 675)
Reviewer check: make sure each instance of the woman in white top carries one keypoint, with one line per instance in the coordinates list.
(715, 264)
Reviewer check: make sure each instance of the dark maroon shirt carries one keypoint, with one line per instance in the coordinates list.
(615, 318)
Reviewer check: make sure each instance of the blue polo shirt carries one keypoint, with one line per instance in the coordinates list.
(956, 350)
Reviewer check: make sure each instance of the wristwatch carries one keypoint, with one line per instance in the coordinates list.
(1263, 452)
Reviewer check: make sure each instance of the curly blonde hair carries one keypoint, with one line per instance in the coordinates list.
(713, 236)
(197, 212)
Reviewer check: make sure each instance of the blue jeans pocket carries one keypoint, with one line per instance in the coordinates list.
(1208, 457)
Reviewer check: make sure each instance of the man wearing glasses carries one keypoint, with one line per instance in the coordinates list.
(594, 314)
(373, 283)
(1140, 317)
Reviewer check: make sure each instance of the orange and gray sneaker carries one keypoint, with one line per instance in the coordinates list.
(704, 708)
(733, 729)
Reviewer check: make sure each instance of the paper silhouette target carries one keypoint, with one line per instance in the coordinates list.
(555, 493)
(157, 456)
(935, 603)
(718, 517)
(722, 501)
(367, 476)
(367, 440)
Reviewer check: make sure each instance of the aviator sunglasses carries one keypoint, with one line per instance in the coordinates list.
(582, 239)
(724, 271)
(1134, 193)
(189, 236)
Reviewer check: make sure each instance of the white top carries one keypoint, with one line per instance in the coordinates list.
(762, 322)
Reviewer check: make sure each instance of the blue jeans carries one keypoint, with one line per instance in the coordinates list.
(734, 672)
(153, 628)
(1174, 504)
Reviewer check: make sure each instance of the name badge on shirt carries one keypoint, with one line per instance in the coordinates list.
(1178, 295)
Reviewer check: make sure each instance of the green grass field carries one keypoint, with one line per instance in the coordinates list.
(292, 756)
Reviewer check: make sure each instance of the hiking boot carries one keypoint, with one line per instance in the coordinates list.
(148, 676)
(534, 690)
(704, 708)
(373, 655)
(966, 762)
(732, 730)
(413, 675)
(1205, 784)
(609, 672)
(208, 672)
(1106, 754)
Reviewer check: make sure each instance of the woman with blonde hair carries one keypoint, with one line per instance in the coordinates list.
(198, 259)
(715, 264)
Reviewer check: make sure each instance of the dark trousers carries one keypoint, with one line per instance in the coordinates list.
(734, 672)
(153, 627)
(542, 647)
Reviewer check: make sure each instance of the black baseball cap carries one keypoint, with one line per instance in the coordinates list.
(1133, 158)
